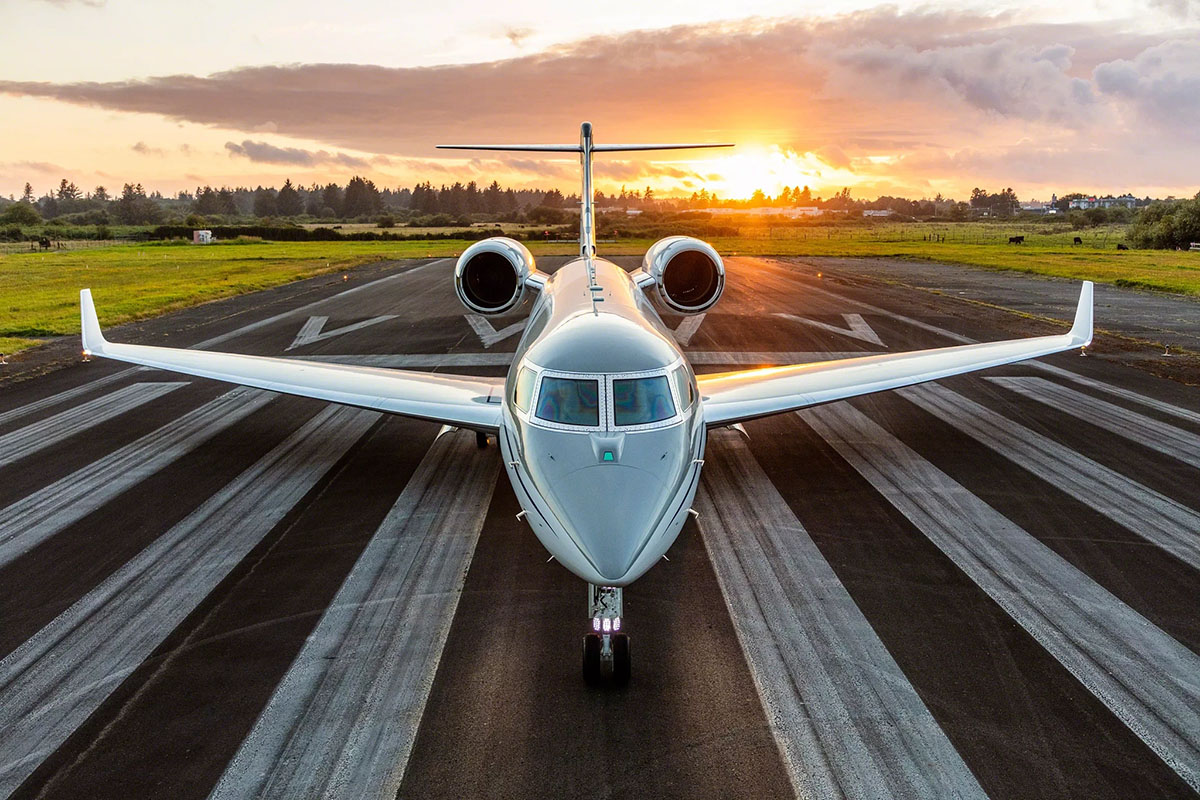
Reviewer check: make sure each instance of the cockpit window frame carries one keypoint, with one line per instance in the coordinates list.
(663, 372)
(531, 416)
(607, 423)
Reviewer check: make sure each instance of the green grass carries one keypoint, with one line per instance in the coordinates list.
(39, 292)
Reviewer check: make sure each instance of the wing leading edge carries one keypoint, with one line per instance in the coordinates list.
(730, 397)
(460, 400)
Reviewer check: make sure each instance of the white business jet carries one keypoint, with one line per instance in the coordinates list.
(601, 420)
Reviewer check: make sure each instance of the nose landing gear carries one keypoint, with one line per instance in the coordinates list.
(606, 649)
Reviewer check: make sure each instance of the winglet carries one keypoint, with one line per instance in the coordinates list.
(1081, 331)
(93, 339)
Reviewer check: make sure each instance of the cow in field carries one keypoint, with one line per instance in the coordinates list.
(44, 243)
(1016, 240)
(1122, 247)
(1078, 240)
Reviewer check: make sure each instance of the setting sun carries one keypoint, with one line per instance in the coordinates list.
(737, 174)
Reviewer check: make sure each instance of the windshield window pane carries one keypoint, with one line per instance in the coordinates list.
(524, 389)
(683, 387)
(638, 401)
(569, 401)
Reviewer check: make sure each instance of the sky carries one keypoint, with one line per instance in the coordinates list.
(911, 99)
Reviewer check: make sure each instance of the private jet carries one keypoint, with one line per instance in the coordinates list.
(601, 420)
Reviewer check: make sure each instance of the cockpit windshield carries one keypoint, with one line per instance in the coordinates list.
(641, 401)
(569, 401)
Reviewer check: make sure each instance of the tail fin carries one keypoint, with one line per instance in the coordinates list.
(93, 339)
(585, 148)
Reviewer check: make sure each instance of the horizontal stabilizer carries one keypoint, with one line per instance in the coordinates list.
(574, 148)
(525, 148)
(621, 148)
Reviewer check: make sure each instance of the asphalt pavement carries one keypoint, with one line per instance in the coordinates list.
(984, 587)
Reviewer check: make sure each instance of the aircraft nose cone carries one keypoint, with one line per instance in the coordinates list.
(609, 510)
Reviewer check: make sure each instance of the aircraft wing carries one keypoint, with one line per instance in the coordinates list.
(730, 397)
(460, 400)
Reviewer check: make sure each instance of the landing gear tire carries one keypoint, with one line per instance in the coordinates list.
(622, 665)
(592, 645)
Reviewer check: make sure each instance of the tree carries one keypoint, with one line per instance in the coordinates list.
(68, 191)
(27, 197)
(288, 201)
(101, 194)
(331, 197)
(1168, 224)
(314, 202)
(226, 203)
(361, 198)
(134, 208)
(21, 213)
(264, 203)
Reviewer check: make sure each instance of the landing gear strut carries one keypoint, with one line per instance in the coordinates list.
(606, 649)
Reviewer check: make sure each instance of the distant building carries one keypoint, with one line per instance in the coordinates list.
(202, 237)
(878, 212)
(1083, 203)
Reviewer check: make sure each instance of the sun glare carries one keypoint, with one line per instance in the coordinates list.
(737, 174)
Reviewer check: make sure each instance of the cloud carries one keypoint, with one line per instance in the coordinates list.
(38, 166)
(517, 35)
(1161, 83)
(1181, 9)
(918, 86)
(146, 150)
(264, 153)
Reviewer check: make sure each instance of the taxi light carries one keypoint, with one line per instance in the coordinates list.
(607, 624)
(595, 623)
(616, 623)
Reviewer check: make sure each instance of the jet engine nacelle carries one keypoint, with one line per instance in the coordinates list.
(490, 275)
(687, 272)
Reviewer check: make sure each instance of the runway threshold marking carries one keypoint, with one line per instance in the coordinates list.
(847, 720)
(686, 329)
(1149, 402)
(1138, 428)
(343, 720)
(1146, 678)
(1157, 518)
(313, 329)
(40, 515)
(856, 327)
(487, 332)
(39, 435)
(56, 679)
(253, 326)
(61, 397)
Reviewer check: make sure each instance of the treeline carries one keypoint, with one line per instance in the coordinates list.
(1167, 225)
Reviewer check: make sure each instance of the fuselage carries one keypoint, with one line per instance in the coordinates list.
(602, 430)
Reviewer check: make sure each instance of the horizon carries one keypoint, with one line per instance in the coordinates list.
(908, 100)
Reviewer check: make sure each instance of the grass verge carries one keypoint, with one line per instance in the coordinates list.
(39, 292)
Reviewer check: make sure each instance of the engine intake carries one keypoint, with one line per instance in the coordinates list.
(490, 275)
(687, 272)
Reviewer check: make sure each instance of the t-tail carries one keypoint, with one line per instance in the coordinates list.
(585, 148)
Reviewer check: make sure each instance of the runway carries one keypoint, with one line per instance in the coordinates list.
(983, 587)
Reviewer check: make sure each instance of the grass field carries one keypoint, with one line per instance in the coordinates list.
(39, 292)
